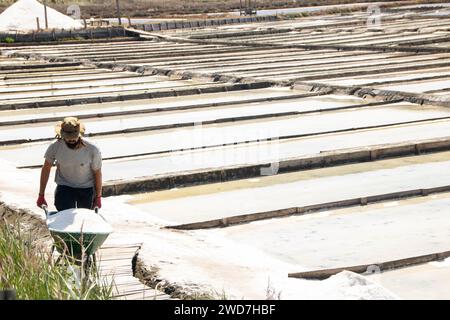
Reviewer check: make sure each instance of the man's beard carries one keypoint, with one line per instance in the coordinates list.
(72, 145)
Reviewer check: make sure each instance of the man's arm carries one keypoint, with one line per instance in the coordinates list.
(45, 174)
(98, 182)
(98, 188)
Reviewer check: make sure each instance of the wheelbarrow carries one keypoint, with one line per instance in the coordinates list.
(77, 243)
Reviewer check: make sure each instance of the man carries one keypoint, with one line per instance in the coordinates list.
(78, 169)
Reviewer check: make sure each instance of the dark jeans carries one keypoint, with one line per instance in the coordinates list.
(68, 198)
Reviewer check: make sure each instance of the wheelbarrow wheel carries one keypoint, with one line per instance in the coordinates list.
(90, 264)
(59, 256)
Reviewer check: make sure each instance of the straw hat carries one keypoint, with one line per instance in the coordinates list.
(69, 128)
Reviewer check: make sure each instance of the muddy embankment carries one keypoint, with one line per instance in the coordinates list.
(27, 221)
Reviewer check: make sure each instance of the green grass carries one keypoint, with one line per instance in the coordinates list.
(7, 40)
(31, 270)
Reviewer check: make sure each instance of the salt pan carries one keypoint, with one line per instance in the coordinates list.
(78, 220)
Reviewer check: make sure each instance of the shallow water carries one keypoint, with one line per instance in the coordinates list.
(353, 236)
(282, 191)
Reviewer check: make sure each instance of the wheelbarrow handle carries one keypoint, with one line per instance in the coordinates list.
(45, 208)
(96, 209)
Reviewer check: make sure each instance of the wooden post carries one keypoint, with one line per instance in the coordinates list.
(46, 17)
(37, 23)
(118, 12)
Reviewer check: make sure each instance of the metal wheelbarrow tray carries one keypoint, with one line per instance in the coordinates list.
(73, 243)
(77, 243)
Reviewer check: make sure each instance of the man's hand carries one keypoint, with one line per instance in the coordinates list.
(41, 201)
(97, 202)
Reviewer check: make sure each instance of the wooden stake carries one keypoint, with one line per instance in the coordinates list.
(46, 17)
(118, 12)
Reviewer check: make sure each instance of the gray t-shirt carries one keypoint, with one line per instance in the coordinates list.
(74, 167)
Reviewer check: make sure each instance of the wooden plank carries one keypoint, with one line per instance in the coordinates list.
(135, 245)
(111, 266)
(373, 267)
(119, 250)
(115, 264)
(128, 288)
(110, 257)
(138, 296)
(131, 285)
(142, 292)
(116, 269)
(114, 274)
(118, 259)
(126, 249)
(118, 256)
